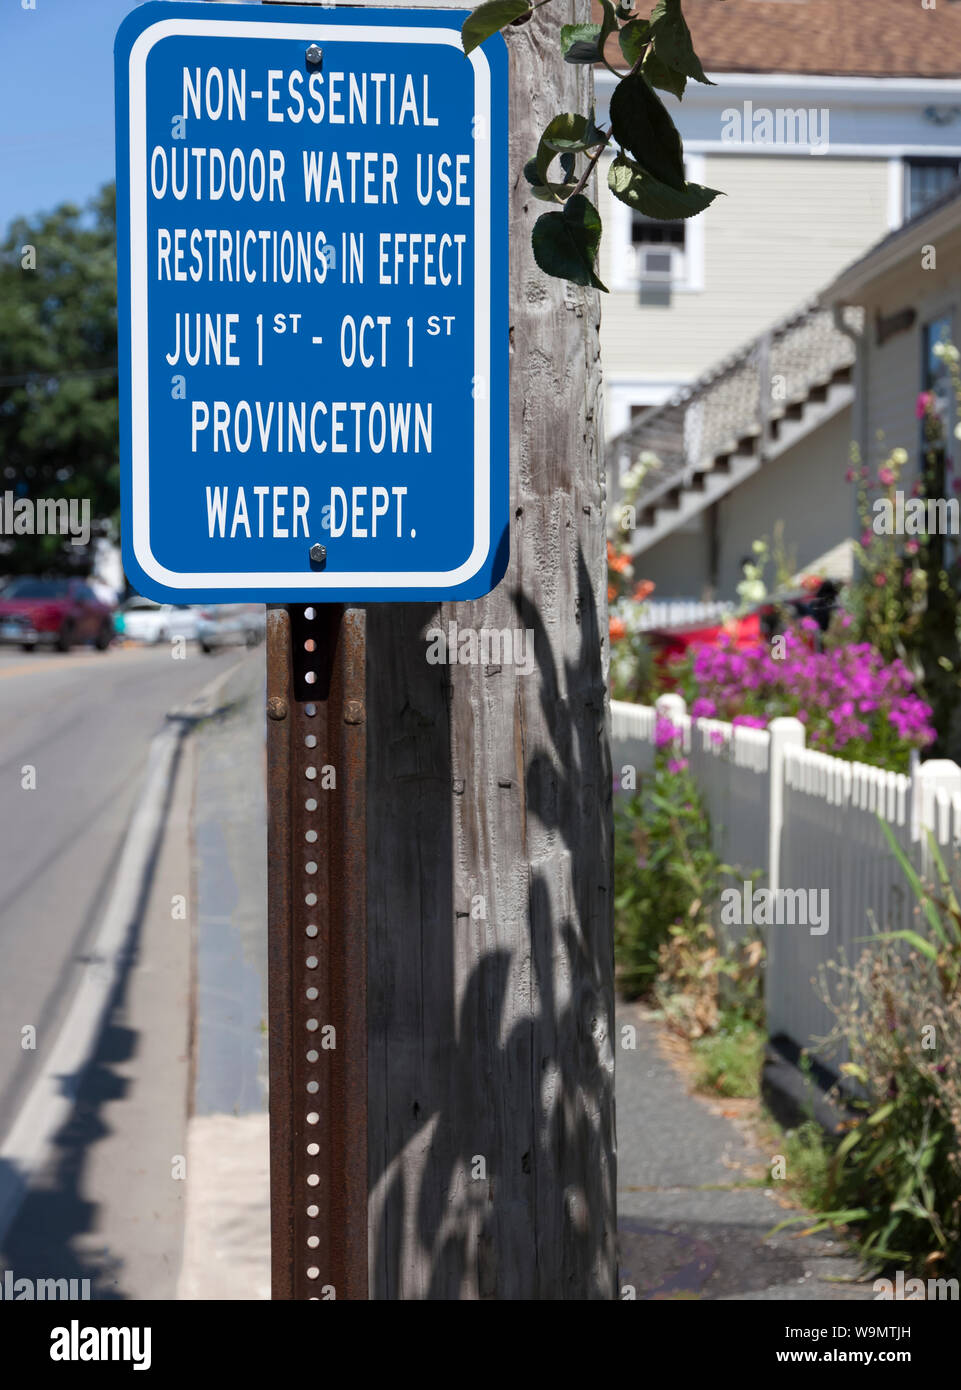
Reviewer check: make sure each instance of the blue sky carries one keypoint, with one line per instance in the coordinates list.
(56, 102)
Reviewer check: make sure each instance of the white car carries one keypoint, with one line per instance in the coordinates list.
(146, 621)
(231, 624)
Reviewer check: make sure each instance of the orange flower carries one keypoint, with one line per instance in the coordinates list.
(611, 592)
(620, 563)
(617, 628)
(644, 590)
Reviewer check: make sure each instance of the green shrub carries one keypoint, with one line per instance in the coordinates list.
(895, 1177)
(807, 1151)
(729, 1060)
(663, 867)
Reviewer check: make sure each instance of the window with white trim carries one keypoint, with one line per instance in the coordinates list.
(657, 257)
(925, 179)
(658, 250)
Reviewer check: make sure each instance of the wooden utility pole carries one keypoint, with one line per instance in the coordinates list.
(490, 960)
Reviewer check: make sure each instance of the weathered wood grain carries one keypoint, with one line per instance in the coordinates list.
(491, 1036)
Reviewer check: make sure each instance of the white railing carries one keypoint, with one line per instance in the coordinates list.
(732, 401)
(680, 612)
(802, 820)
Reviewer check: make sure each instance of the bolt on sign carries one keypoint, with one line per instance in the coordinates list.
(312, 267)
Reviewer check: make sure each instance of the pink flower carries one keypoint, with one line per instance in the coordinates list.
(664, 732)
(880, 580)
(885, 477)
(866, 538)
(911, 547)
(749, 721)
(849, 476)
(923, 404)
(677, 765)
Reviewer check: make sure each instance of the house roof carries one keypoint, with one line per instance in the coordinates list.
(850, 38)
(934, 221)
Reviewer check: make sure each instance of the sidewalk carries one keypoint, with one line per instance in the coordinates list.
(692, 1213)
(227, 1228)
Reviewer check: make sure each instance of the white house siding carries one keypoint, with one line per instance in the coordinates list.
(893, 380)
(893, 372)
(677, 565)
(804, 487)
(786, 226)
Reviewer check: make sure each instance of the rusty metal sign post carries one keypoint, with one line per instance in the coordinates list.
(317, 985)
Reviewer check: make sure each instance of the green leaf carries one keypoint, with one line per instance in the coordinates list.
(660, 75)
(880, 1114)
(551, 192)
(490, 18)
(640, 123)
(880, 1155)
(565, 243)
(824, 1218)
(852, 1069)
(610, 23)
(920, 943)
(643, 192)
(944, 879)
(566, 135)
(917, 887)
(672, 41)
(584, 43)
(847, 1144)
(579, 43)
(634, 38)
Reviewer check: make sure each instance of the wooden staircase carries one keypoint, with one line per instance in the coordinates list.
(745, 412)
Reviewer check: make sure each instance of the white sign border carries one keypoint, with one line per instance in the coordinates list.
(139, 443)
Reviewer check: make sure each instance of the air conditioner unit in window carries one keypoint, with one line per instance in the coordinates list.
(657, 273)
(655, 265)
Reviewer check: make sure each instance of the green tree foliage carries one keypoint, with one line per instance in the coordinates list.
(648, 171)
(58, 369)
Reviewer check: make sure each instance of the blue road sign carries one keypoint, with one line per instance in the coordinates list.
(312, 269)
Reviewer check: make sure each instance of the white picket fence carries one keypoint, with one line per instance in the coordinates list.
(681, 612)
(805, 821)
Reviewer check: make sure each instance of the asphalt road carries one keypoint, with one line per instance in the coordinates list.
(84, 722)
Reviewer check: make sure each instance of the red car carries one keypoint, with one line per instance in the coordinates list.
(53, 612)
(669, 644)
